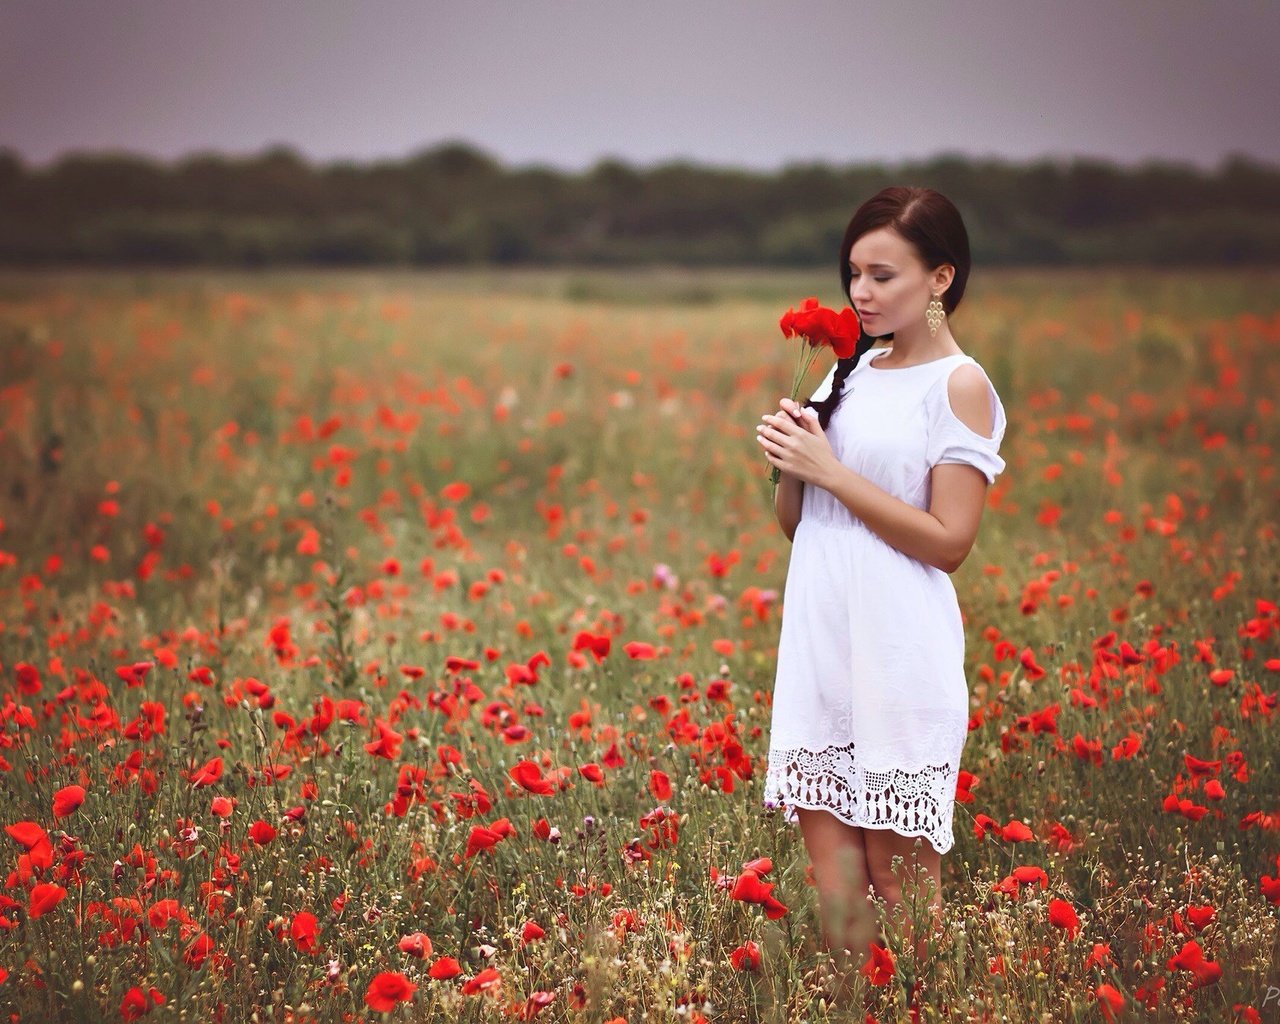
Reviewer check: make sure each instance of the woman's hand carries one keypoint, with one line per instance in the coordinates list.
(795, 442)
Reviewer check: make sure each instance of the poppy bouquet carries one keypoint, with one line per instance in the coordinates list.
(817, 327)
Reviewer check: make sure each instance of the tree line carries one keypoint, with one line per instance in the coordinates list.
(455, 204)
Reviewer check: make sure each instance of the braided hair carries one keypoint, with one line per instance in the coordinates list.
(930, 222)
(844, 367)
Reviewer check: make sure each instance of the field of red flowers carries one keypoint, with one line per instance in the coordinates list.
(400, 647)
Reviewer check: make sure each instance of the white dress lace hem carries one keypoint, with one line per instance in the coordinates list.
(913, 801)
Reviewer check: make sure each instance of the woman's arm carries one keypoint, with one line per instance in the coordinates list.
(943, 535)
(787, 500)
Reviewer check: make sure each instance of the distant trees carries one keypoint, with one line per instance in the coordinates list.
(455, 204)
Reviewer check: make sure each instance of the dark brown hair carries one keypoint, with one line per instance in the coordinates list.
(932, 225)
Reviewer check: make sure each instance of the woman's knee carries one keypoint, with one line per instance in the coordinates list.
(837, 849)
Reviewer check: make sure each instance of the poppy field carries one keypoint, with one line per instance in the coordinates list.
(399, 647)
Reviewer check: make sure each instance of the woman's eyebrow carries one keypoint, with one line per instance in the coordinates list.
(883, 266)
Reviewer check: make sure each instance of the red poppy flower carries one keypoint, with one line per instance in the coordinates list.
(416, 944)
(746, 957)
(28, 678)
(536, 1002)
(1016, 832)
(982, 824)
(1063, 915)
(302, 930)
(820, 326)
(1110, 1001)
(67, 799)
(1184, 806)
(1028, 873)
(659, 785)
(198, 950)
(1198, 767)
(879, 966)
(262, 832)
(774, 909)
(1099, 956)
(1191, 958)
(136, 1003)
(44, 897)
(1270, 889)
(639, 650)
(162, 912)
(750, 888)
(209, 773)
(29, 836)
(387, 990)
(481, 838)
(597, 645)
(486, 981)
(1201, 916)
(444, 968)
(528, 776)
(387, 744)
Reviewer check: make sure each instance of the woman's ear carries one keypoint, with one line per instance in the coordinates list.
(942, 277)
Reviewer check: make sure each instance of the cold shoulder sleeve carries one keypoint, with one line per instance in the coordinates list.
(952, 440)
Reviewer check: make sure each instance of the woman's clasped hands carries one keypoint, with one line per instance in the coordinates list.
(794, 441)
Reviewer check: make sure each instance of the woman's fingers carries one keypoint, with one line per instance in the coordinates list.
(776, 431)
(792, 417)
(805, 417)
(778, 427)
(768, 430)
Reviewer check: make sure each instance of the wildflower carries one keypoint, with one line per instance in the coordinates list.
(1063, 915)
(879, 966)
(746, 957)
(387, 990)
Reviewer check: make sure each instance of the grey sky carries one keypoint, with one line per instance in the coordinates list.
(750, 83)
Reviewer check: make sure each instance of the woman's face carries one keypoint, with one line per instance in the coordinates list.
(891, 286)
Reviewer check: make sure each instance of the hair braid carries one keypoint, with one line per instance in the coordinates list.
(844, 367)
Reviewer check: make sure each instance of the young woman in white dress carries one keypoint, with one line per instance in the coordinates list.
(883, 483)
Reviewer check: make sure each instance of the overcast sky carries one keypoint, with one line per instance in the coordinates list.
(567, 83)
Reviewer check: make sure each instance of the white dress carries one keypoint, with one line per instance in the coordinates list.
(870, 700)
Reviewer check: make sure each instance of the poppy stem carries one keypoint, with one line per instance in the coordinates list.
(808, 352)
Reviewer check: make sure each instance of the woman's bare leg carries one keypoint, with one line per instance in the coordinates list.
(920, 861)
(839, 861)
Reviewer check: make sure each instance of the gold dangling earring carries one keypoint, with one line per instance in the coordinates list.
(934, 314)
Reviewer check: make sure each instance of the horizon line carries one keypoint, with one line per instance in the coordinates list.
(1062, 160)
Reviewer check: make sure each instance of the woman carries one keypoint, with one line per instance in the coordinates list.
(884, 474)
